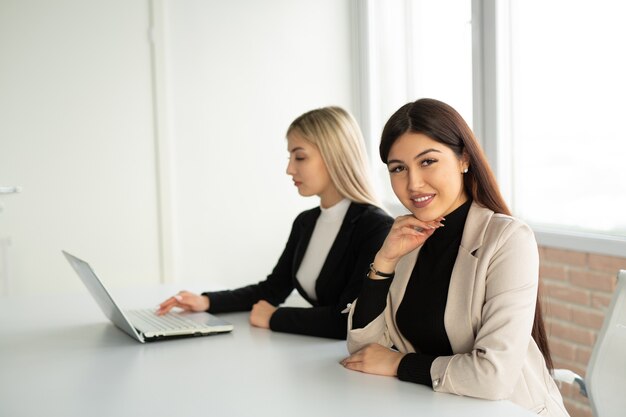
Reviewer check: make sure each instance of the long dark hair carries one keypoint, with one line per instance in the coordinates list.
(442, 123)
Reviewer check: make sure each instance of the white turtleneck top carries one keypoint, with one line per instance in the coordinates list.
(326, 230)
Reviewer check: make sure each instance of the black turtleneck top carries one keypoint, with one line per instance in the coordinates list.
(420, 316)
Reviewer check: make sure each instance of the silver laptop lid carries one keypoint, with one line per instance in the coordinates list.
(101, 295)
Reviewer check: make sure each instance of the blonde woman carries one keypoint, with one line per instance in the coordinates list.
(330, 247)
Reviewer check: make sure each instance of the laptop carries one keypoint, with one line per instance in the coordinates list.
(144, 325)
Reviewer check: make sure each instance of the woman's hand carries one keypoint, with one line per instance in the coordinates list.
(374, 359)
(261, 314)
(406, 234)
(185, 300)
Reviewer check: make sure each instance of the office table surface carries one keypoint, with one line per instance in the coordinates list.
(60, 356)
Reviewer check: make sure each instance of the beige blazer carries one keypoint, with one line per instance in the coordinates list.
(488, 318)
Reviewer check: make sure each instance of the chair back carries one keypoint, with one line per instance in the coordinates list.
(606, 372)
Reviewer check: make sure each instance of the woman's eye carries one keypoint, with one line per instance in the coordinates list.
(428, 162)
(300, 158)
(396, 169)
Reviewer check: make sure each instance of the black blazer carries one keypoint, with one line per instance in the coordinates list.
(361, 234)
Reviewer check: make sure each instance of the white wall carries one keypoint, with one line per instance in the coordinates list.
(238, 73)
(76, 133)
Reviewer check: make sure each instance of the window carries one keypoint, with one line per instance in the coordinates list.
(561, 91)
(542, 84)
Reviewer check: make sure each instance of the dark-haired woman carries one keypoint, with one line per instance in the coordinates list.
(451, 301)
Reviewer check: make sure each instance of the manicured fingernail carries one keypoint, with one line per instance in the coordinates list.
(178, 297)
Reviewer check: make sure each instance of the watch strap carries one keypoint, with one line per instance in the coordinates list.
(374, 271)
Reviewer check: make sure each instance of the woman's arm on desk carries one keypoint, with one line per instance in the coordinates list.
(327, 319)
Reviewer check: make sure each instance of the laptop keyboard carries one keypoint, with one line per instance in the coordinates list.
(147, 320)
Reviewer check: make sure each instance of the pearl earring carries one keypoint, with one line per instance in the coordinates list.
(465, 171)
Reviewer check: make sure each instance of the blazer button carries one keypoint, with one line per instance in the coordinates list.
(436, 383)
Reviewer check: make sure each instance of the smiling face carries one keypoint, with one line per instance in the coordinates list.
(426, 176)
(308, 171)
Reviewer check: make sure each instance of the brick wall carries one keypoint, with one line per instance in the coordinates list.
(577, 289)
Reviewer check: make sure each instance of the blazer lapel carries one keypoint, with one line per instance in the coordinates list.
(339, 247)
(307, 227)
(458, 318)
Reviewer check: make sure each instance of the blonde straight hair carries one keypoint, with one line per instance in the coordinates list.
(338, 138)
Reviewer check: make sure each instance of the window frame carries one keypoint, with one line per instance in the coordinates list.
(491, 68)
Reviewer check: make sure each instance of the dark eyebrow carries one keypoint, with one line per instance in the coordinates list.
(416, 156)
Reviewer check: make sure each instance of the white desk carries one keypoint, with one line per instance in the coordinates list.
(65, 359)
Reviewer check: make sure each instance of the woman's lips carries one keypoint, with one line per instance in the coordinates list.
(422, 200)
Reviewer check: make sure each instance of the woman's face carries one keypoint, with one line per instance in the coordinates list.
(307, 168)
(426, 176)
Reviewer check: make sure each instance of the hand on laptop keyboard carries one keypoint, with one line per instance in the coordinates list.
(186, 301)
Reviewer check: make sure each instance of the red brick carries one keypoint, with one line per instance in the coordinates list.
(577, 410)
(593, 280)
(585, 337)
(565, 256)
(557, 310)
(610, 264)
(563, 350)
(558, 364)
(588, 318)
(542, 255)
(571, 391)
(567, 293)
(580, 370)
(600, 301)
(567, 390)
(583, 355)
(556, 272)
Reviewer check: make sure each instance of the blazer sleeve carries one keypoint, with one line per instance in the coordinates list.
(375, 332)
(275, 289)
(329, 321)
(491, 369)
